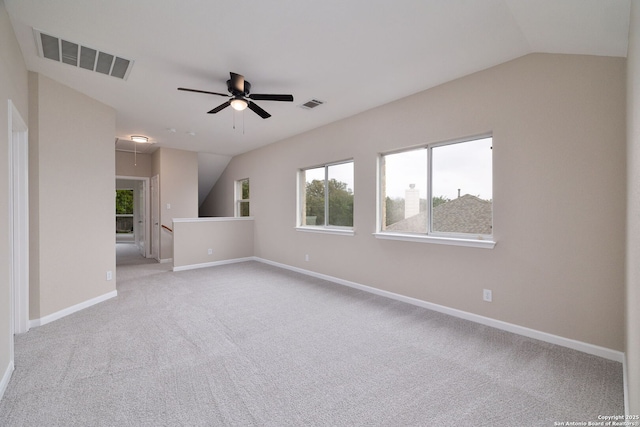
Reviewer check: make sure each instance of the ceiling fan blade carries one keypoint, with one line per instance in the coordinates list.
(219, 107)
(270, 97)
(203, 91)
(237, 82)
(259, 111)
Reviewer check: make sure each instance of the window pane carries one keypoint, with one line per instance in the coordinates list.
(124, 224)
(245, 189)
(314, 197)
(124, 201)
(462, 187)
(243, 208)
(404, 191)
(340, 183)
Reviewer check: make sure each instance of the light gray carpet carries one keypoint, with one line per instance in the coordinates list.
(253, 345)
(127, 253)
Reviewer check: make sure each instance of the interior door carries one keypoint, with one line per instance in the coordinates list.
(155, 217)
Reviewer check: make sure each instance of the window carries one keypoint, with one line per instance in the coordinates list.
(242, 197)
(440, 190)
(326, 196)
(124, 211)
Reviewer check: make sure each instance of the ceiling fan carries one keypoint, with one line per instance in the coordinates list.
(241, 96)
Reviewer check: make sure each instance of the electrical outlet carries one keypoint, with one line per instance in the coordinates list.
(306, 257)
(109, 275)
(210, 251)
(168, 205)
(487, 295)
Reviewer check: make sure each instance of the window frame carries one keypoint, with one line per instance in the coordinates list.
(437, 237)
(238, 200)
(301, 201)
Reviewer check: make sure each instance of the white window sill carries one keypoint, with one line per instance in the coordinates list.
(454, 241)
(326, 230)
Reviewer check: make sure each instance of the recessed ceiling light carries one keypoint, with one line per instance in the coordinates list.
(191, 133)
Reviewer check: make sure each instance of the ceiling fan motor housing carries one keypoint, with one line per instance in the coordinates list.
(234, 91)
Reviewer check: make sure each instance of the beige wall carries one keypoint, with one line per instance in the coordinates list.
(129, 165)
(633, 212)
(228, 239)
(558, 124)
(72, 182)
(13, 86)
(178, 170)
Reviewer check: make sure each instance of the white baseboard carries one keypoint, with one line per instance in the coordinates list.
(165, 260)
(212, 264)
(5, 379)
(595, 350)
(70, 310)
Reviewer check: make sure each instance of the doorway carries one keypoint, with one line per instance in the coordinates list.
(132, 226)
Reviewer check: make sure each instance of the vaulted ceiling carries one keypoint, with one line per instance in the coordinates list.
(353, 55)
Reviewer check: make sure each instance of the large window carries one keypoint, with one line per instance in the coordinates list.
(442, 190)
(242, 197)
(326, 196)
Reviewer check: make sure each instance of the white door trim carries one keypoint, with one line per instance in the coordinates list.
(18, 221)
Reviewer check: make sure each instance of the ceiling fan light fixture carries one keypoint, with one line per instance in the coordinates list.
(239, 104)
(140, 139)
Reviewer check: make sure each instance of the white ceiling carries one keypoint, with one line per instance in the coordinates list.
(354, 55)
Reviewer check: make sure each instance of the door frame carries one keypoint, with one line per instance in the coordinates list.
(155, 215)
(18, 221)
(147, 216)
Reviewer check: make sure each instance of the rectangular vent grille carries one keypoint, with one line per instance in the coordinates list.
(311, 104)
(74, 54)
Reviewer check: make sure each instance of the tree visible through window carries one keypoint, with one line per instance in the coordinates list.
(328, 196)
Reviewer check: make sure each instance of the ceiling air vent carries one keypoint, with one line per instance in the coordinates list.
(311, 104)
(85, 57)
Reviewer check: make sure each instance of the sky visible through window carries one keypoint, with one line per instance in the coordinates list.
(465, 166)
(342, 172)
